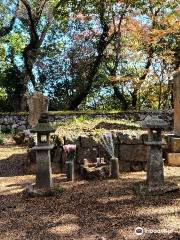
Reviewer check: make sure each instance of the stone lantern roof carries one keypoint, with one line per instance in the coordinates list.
(154, 123)
(43, 125)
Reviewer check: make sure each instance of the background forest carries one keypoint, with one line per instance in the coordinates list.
(89, 54)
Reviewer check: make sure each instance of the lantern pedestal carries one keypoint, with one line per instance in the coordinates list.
(44, 171)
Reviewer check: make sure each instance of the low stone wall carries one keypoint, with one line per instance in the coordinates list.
(129, 148)
(9, 122)
(19, 121)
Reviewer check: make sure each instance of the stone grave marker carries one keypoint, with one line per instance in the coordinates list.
(38, 104)
(174, 141)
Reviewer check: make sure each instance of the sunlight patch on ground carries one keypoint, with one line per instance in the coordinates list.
(106, 200)
(15, 181)
(15, 184)
(68, 217)
(132, 175)
(6, 152)
(65, 229)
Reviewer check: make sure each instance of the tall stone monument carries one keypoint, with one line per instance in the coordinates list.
(174, 141)
(38, 104)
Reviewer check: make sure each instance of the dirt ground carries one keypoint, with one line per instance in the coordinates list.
(95, 210)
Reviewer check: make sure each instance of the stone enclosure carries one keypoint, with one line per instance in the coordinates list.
(130, 149)
(129, 145)
(9, 121)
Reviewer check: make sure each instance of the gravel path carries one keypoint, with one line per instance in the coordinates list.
(96, 210)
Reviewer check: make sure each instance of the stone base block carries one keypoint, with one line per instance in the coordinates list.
(32, 191)
(95, 172)
(174, 159)
(143, 189)
(175, 144)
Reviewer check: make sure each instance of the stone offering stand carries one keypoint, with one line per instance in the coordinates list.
(91, 171)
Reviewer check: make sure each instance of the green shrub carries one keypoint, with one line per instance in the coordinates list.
(80, 119)
(18, 138)
(6, 131)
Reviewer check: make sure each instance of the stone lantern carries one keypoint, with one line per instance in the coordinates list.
(155, 183)
(43, 157)
(155, 169)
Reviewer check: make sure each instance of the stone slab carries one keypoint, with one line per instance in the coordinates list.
(86, 153)
(38, 104)
(94, 173)
(133, 153)
(174, 159)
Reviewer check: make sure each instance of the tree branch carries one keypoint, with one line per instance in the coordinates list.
(33, 33)
(6, 30)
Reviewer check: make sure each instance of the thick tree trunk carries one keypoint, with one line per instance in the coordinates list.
(134, 99)
(103, 42)
(77, 100)
(121, 97)
(30, 52)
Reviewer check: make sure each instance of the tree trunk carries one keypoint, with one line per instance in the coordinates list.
(134, 99)
(23, 93)
(121, 98)
(103, 42)
(77, 100)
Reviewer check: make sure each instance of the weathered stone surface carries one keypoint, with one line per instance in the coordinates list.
(174, 159)
(175, 144)
(38, 104)
(70, 170)
(90, 154)
(129, 166)
(92, 173)
(133, 153)
(87, 142)
(57, 156)
(155, 171)
(11, 119)
(44, 171)
(130, 137)
(155, 168)
(124, 166)
(31, 191)
(21, 128)
(174, 141)
(114, 164)
(154, 122)
(177, 104)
